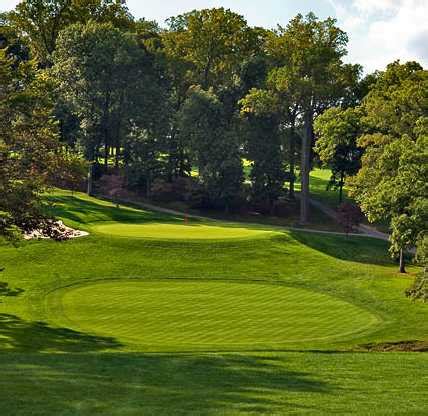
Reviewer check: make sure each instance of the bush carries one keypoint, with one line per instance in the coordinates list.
(284, 208)
(190, 191)
(163, 191)
(181, 189)
(419, 290)
(71, 174)
(112, 186)
(349, 216)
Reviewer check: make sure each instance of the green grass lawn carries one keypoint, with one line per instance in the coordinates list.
(269, 322)
(330, 197)
(318, 182)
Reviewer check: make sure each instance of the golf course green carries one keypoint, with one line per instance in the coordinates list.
(192, 231)
(152, 314)
(195, 314)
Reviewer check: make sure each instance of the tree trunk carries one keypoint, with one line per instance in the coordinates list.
(90, 179)
(207, 74)
(305, 168)
(116, 159)
(402, 262)
(341, 183)
(292, 158)
(173, 156)
(106, 156)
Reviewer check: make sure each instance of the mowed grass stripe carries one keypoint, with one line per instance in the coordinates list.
(184, 314)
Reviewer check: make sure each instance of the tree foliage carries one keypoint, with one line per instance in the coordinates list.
(215, 42)
(310, 77)
(41, 21)
(30, 155)
(263, 145)
(392, 185)
(213, 144)
(337, 133)
(419, 290)
(106, 79)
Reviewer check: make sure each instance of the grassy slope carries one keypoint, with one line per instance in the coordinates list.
(356, 270)
(319, 181)
(330, 197)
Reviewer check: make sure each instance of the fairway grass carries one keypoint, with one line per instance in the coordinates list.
(310, 384)
(270, 323)
(194, 231)
(211, 315)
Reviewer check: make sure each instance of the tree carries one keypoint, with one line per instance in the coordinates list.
(41, 21)
(213, 144)
(350, 216)
(143, 160)
(337, 133)
(107, 79)
(215, 42)
(391, 185)
(314, 77)
(10, 40)
(263, 145)
(288, 112)
(419, 290)
(30, 155)
(212, 48)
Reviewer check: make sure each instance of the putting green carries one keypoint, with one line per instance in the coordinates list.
(178, 231)
(179, 315)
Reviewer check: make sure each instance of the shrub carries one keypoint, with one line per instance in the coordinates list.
(349, 216)
(112, 186)
(162, 191)
(284, 208)
(419, 290)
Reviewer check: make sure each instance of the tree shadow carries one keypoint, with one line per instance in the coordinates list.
(356, 249)
(159, 384)
(6, 290)
(84, 212)
(19, 335)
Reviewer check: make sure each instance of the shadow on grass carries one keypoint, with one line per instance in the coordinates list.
(136, 384)
(356, 249)
(84, 211)
(18, 335)
(6, 290)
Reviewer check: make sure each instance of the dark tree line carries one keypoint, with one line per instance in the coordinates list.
(201, 94)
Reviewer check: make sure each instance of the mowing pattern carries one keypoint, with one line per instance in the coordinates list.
(178, 231)
(177, 315)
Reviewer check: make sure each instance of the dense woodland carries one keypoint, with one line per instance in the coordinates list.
(205, 109)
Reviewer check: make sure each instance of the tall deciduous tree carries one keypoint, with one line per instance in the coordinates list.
(263, 145)
(107, 79)
(392, 183)
(41, 21)
(314, 77)
(213, 144)
(30, 155)
(215, 42)
(214, 48)
(337, 134)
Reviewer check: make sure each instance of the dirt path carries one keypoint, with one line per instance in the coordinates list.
(366, 230)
